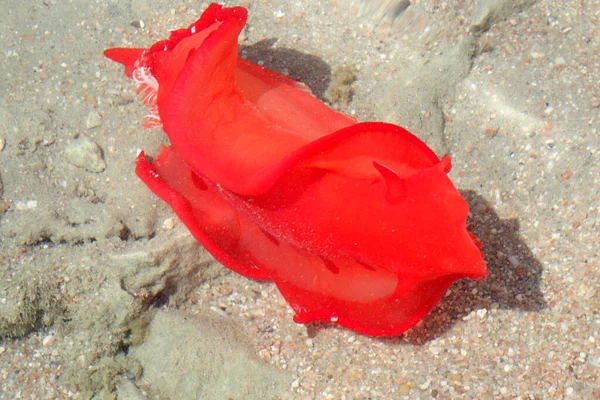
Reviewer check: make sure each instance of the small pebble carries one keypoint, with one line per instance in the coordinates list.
(25, 205)
(481, 313)
(425, 385)
(536, 55)
(82, 361)
(404, 389)
(169, 223)
(569, 391)
(84, 153)
(94, 120)
(48, 341)
(491, 132)
(2, 144)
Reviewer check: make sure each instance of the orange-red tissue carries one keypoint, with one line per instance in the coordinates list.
(356, 223)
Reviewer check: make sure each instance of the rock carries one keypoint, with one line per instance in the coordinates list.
(23, 205)
(203, 356)
(489, 12)
(175, 262)
(413, 100)
(85, 153)
(94, 120)
(49, 341)
(126, 389)
(341, 89)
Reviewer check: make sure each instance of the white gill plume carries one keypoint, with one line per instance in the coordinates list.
(147, 86)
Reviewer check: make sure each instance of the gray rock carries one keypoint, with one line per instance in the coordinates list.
(189, 356)
(126, 389)
(94, 120)
(413, 100)
(177, 266)
(490, 12)
(84, 153)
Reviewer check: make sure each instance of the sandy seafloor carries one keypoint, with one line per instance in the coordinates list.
(103, 293)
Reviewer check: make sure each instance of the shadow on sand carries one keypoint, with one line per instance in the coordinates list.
(305, 68)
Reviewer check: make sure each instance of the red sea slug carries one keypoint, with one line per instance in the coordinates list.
(356, 223)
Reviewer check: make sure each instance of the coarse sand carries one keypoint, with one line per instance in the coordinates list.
(104, 294)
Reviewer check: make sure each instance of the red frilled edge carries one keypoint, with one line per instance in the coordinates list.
(356, 223)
